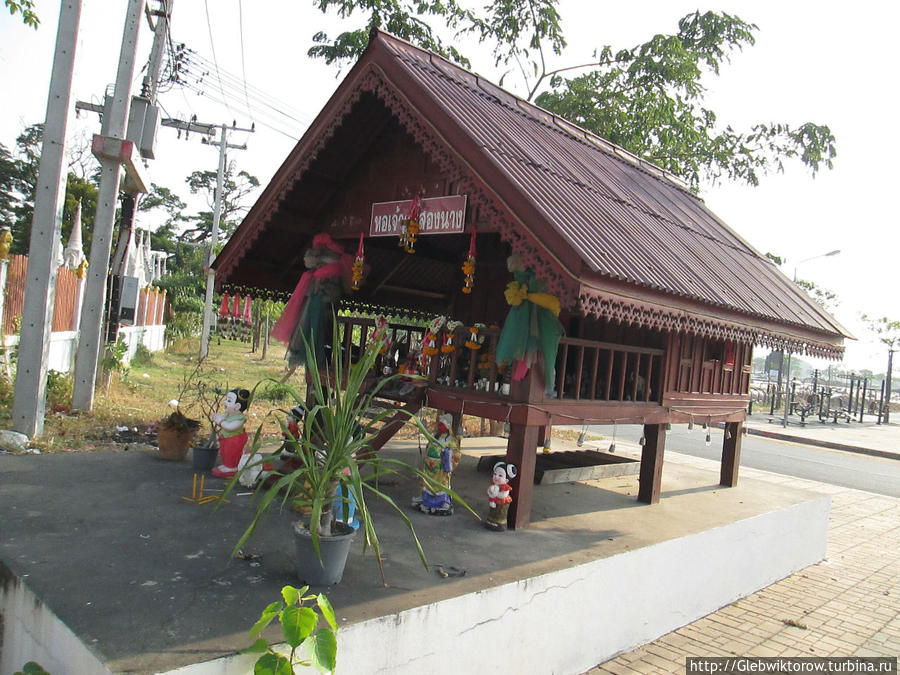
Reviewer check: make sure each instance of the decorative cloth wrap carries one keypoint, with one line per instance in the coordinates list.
(308, 311)
(531, 328)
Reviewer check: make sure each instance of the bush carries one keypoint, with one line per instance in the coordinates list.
(59, 390)
(142, 356)
(274, 391)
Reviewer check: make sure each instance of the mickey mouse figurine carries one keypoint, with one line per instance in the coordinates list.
(499, 498)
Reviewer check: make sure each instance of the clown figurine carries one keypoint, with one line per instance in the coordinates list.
(232, 437)
(441, 458)
(499, 497)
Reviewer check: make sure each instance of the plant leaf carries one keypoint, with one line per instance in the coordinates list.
(290, 595)
(324, 649)
(269, 613)
(261, 646)
(297, 624)
(327, 610)
(273, 664)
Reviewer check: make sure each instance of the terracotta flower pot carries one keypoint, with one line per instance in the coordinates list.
(174, 443)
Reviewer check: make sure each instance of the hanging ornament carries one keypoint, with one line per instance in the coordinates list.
(474, 341)
(223, 310)
(691, 424)
(358, 264)
(449, 341)
(612, 446)
(411, 227)
(468, 267)
(708, 426)
(582, 436)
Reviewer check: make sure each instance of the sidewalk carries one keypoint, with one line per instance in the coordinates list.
(882, 440)
(846, 605)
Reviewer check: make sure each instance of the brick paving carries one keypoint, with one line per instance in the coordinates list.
(846, 605)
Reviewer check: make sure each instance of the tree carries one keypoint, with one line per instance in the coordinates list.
(648, 99)
(9, 197)
(235, 189)
(888, 333)
(26, 9)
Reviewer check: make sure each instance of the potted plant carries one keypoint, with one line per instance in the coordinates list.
(334, 468)
(175, 433)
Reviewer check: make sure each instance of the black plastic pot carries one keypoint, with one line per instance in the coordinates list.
(204, 457)
(330, 568)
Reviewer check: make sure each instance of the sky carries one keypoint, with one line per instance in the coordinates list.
(812, 62)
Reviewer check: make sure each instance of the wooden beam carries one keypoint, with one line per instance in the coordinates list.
(522, 451)
(650, 479)
(731, 454)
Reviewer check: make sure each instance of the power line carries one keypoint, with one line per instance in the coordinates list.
(212, 46)
(243, 62)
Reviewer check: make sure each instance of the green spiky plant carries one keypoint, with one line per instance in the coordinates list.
(333, 451)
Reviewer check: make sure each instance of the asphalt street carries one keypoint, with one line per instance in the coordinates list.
(836, 467)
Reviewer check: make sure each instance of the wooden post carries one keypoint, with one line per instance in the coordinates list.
(521, 450)
(731, 454)
(650, 479)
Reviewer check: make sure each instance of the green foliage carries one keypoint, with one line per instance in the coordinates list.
(235, 189)
(333, 450)
(32, 667)
(59, 389)
(821, 295)
(299, 615)
(886, 330)
(26, 8)
(114, 357)
(647, 99)
(142, 356)
(274, 391)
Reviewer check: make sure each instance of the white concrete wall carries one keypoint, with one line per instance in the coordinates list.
(62, 344)
(571, 620)
(31, 632)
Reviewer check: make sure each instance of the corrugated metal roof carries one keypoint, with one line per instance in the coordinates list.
(626, 219)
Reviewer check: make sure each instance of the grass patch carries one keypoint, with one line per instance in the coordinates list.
(139, 399)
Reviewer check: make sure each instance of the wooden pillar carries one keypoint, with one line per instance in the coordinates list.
(731, 453)
(521, 451)
(650, 479)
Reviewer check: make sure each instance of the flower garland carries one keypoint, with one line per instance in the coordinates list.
(475, 340)
(357, 267)
(468, 267)
(410, 227)
(448, 347)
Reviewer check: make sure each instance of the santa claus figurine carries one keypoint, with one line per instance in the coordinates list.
(499, 498)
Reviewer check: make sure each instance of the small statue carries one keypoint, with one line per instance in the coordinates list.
(499, 498)
(441, 458)
(232, 437)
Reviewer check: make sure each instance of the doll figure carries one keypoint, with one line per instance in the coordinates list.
(232, 437)
(441, 458)
(499, 498)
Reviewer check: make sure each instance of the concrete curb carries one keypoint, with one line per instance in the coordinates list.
(821, 443)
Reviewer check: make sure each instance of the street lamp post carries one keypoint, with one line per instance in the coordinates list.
(787, 378)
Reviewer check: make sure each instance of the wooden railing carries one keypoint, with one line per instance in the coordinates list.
(605, 371)
(586, 370)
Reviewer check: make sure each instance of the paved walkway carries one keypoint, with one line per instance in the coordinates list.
(846, 605)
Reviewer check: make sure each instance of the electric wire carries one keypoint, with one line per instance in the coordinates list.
(243, 60)
(213, 48)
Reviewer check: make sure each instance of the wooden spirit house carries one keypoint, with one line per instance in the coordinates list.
(661, 302)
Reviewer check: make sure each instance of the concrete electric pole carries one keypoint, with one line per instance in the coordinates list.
(214, 235)
(112, 150)
(46, 224)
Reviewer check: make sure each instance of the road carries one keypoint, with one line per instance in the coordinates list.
(861, 472)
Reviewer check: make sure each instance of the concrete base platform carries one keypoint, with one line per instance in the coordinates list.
(107, 569)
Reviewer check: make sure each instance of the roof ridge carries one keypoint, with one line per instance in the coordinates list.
(577, 133)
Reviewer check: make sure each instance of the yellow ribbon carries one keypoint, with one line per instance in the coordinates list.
(516, 293)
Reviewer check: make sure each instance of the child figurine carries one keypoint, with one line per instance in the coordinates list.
(441, 458)
(232, 437)
(498, 496)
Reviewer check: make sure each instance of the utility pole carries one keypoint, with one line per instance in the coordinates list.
(112, 150)
(214, 235)
(46, 224)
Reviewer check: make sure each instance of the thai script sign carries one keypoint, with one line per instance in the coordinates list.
(437, 215)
